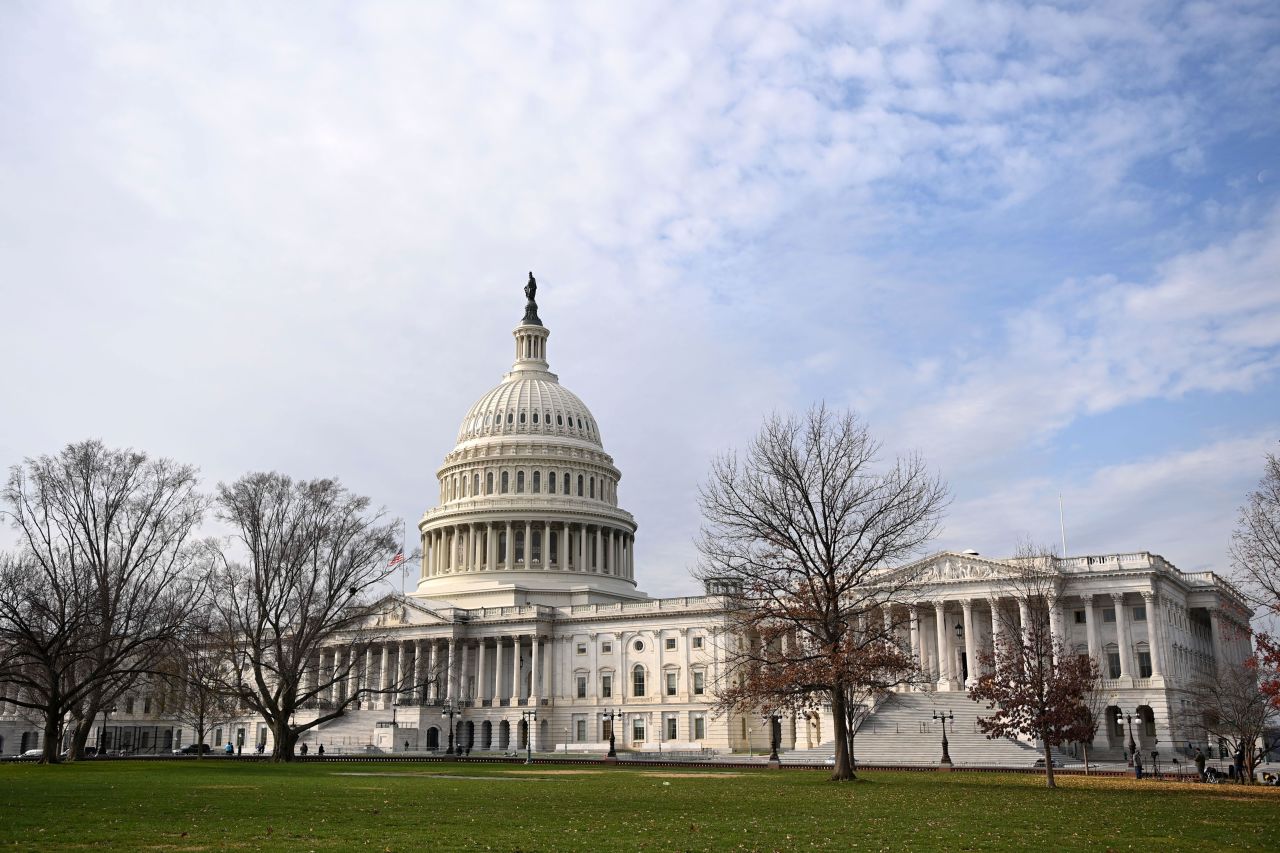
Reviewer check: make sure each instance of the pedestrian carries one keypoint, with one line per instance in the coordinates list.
(303, 749)
(229, 750)
(262, 747)
(320, 751)
(1137, 764)
(1200, 764)
(1239, 759)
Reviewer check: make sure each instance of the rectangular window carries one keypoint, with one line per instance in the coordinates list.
(670, 643)
(1144, 664)
(699, 727)
(128, 705)
(581, 648)
(519, 482)
(582, 687)
(606, 648)
(699, 683)
(146, 705)
(1108, 614)
(1140, 613)
(580, 730)
(671, 683)
(606, 686)
(637, 729)
(671, 728)
(697, 642)
(637, 685)
(1113, 664)
(217, 737)
(1081, 618)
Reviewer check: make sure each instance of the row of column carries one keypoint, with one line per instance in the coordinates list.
(943, 660)
(511, 545)
(432, 670)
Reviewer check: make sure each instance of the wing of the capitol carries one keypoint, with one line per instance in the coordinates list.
(527, 601)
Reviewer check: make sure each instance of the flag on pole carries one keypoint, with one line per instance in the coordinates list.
(396, 560)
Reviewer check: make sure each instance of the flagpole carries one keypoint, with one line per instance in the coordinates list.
(1062, 526)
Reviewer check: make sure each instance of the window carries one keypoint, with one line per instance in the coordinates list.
(638, 645)
(475, 485)
(1113, 664)
(519, 482)
(579, 485)
(593, 486)
(1140, 613)
(582, 687)
(606, 686)
(488, 483)
(510, 418)
(671, 728)
(505, 482)
(535, 417)
(1144, 664)
(699, 727)
(551, 482)
(1108, 614)
(697, 642)
(581, 648)
(566, 484)
(1080, 617)
(537, 482)
(146, 705)
(637, 729)
(522, 417)
(670, 643)
(606, 647)
(699, 683)
(637, 681)
(559, 420)
(128, 705)
(579, 730)
(671, 682)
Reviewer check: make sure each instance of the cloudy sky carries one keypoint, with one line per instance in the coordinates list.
(1039, 245)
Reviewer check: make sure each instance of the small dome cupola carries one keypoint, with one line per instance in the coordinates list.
(531, 336)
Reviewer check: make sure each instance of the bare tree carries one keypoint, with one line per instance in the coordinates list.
(1255, 545)
(102, 582)
(1034, 685)
(296, 577)
(806, 535)
(197, 676)
(1227, 705)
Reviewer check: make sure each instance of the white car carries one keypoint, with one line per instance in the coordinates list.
(32, 753)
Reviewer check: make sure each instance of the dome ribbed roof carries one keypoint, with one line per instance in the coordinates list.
(530, 403)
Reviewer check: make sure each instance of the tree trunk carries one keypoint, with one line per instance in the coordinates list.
(1048, 766)
(52, 735)
(80, 737)
(285, 740)
(842, 772)
(201, 728)
(1085, 747)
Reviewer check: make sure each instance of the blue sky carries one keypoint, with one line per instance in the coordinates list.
(1039, 245)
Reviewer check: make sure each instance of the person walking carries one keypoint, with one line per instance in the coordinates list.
(1200, 764)
(229, 749)
(1137, 764)
(1239, 762)
(320, 751)
(303, 749)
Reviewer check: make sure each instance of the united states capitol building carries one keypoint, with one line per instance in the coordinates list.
(526, 625)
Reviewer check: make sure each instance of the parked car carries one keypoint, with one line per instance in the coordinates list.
(1040, 763)
(192, 749)
(32, 753)
(370, 748)
(87, 752)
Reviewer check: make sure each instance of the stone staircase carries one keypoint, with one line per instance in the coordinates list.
(901, 731)
(351, 732)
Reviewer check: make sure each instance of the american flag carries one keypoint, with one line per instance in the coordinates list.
(396, 560)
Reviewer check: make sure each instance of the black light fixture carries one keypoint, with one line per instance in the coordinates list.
(959, 630)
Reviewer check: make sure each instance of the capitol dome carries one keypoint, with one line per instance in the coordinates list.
(528, 508)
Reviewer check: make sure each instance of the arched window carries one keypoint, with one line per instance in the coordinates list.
(593, 487)
(488, 483)
(580, 485)
(523, 415)
(535, 417)
(637, 680)
(579, 423)
(510, 418)
(566, 483)
(505, 482)
(475, 485)
(537, 480)
(559, 420)
(551, 482)
(519, 482)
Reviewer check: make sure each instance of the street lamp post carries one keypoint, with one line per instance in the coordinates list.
(945, 718)
(449, 709)
(775, 731)
(102, 735)
(530, 717)
(611, 716)
(1133, 746)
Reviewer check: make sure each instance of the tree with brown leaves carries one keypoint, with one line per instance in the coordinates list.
(1033, 685)
(1255, 555)
(805, 534)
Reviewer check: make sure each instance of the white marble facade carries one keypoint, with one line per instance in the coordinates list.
(527, 601)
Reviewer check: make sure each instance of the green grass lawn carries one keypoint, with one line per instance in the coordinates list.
(215, 805)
